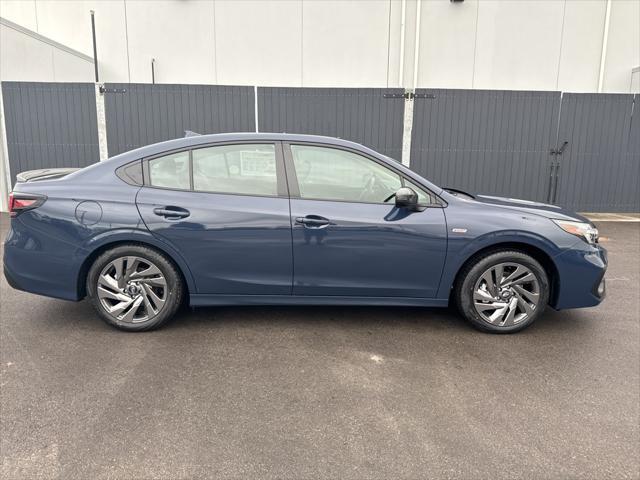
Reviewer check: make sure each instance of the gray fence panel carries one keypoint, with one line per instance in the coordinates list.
(50, 125)
(600, 167)
(361, 115)
(492, 142)
(150, 113)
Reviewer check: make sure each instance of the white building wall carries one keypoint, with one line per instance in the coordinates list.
(623, 46)
(581, 49)
(488, 44)
(257, 40)
(28, 56)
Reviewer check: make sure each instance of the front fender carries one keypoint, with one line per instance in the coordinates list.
(462, 247)
(140, 236)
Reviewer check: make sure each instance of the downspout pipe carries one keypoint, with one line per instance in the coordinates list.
(402, 35)
(605, 41)
(95, 47)
(416, 50)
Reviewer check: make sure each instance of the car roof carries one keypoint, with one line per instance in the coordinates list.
(195, 140)
(104, 169)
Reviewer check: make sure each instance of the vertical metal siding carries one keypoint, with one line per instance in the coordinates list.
(150, 113)
(361, 115)
(492, 142)
(50, 125)
(600, 168)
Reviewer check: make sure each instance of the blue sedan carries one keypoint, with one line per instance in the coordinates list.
(275, 219)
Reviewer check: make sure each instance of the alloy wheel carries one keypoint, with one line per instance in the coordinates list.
(132, 289)
(506, 294)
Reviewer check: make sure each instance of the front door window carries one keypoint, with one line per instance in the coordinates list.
(333, 174)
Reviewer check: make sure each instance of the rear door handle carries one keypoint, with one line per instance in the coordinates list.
(171, 213)
(313, 221)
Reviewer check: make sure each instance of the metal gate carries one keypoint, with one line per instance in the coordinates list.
(141, 114)
(50, 125)
(492, 142)
(370, 116)
(599, 169)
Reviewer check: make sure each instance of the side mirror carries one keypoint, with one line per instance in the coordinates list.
(406, 198)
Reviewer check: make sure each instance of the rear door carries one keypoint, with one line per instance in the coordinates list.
(225, 209)
(349, 239)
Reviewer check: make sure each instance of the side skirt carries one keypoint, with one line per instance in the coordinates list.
(202, 300)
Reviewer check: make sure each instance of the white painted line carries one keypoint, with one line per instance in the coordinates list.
(407, 128)
(102, 125)
(255, 106)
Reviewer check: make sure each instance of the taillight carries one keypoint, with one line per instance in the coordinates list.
(20, 202)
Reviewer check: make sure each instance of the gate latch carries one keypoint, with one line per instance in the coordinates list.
(409, 95)
(103, 89)
(559, 151)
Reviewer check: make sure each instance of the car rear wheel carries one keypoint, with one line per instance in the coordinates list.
(502, 292)
(134, 288)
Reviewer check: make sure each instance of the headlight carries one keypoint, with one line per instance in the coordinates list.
(586, 231)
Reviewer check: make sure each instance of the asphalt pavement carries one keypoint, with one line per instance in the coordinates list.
(331, 392)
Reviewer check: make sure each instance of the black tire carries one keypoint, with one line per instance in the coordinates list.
(174, 287)
(470, 275)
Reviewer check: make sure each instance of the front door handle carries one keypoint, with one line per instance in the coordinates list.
(171, 213)
(313, 221)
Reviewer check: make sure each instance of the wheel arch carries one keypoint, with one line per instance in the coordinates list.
(97, 250)
(534, 251)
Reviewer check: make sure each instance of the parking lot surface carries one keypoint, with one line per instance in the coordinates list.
(324, 392)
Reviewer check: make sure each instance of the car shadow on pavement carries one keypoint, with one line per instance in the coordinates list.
(354, 317)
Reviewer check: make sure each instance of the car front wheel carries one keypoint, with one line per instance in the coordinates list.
(134, 288)
(503, 291)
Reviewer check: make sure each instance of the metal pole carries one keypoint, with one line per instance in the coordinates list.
(153, 70)
(95, 48)
(416, 50)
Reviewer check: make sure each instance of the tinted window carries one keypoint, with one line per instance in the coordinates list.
(170, 171)
(332, 174)
(423, 197)
(131, 173)
(241, 169)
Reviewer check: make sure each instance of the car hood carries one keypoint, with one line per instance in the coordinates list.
(537, 208)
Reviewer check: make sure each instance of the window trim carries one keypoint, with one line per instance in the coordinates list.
(294, 188)
(281, 182)
(121, 173)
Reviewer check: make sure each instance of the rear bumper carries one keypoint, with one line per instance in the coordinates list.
(37, 265)
(581, 281)
(36, 279)
(11, 280)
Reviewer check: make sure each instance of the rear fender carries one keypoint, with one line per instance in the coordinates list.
(138, 236)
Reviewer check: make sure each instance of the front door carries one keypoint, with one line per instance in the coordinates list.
(349, 239)
(225, 209)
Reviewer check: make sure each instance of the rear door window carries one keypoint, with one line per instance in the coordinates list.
(238, 169)
(170, 171)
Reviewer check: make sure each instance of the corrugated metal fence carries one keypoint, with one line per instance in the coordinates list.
(494, 142)
(50, 125)
(141, 114)
(370, 116)
(600, 167)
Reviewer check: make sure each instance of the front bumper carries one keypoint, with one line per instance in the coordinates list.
(581, 271)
